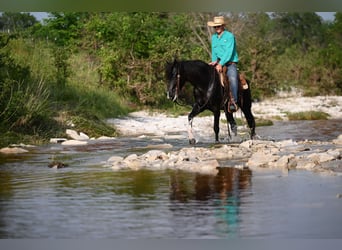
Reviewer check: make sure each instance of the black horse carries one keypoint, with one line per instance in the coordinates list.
(208, 93)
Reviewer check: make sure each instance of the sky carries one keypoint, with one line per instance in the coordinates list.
(327, 16)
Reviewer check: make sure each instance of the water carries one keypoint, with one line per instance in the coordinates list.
(89, 200)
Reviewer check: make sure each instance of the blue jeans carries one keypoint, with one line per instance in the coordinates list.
(233, 80)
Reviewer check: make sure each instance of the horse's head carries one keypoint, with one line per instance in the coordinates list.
(173, 80)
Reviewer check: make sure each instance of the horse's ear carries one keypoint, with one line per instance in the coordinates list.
(174, 61)
(175, 57)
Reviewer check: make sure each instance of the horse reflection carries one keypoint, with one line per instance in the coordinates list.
(229, 181)
(220, 195)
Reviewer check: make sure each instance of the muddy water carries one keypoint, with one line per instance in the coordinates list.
(89, 200)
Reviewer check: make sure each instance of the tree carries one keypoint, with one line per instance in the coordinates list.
(63, 30)
(304, 29)
(333, 51)
(16, 22)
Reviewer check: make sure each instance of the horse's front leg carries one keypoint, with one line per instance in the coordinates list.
(191, 136)
(217, 125)
(195, 111)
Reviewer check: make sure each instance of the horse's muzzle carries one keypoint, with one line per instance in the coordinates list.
(172, 96)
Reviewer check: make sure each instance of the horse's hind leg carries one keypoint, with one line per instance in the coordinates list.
(251, 122)
(232, 123)
(246, 109)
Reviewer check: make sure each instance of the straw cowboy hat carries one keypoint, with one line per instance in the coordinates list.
(218, 20)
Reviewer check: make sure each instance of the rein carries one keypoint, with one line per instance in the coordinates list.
(178, 88)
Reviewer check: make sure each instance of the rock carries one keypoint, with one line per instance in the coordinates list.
(131, 157)
(84, 136)
(320, 157)
(74, 143)
(74, 135)
(106, 138)
(189, 159)
(261, 159)
(304, 163)
(285, 155)
(13, 150)
(286, 143)
(160, 146)
(114, 159)
(154, 155)
(283, 161)
(57, 140)
(22, 145)
(338, 140)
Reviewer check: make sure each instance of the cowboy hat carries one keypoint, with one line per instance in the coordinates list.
(218, 20)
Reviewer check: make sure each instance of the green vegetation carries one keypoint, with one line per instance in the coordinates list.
(82, 68)
(308, 115)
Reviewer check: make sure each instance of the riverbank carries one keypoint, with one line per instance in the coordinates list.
(319, 156)
(161, 124)
(166, 132)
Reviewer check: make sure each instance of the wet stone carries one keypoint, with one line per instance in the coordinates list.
(258, 154)
(13, 150)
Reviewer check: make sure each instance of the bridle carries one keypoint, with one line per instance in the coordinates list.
(177, 82)
(178, 76)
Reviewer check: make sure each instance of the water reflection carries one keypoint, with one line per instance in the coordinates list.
(228, 182)
(219, 195)
(88, 200)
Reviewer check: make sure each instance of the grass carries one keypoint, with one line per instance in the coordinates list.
(308, 115)
(80, 101)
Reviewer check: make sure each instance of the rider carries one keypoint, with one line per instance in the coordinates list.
(223, 48)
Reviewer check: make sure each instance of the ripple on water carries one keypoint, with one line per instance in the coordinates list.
(88, 200)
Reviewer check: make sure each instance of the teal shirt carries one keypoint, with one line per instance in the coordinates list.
(224, 48)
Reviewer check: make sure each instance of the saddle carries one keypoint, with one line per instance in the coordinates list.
(228, 97)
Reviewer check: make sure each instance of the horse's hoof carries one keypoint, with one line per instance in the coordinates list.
(57, 164)
(192, 141)
(234, 129)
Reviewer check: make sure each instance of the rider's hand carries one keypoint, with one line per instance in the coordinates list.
(219, 68)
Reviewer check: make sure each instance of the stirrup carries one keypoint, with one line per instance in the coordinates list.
(232, 107)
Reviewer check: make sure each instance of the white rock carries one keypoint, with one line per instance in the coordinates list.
(261, 159)
(57, 140)
(305, 164)
(114, 159)
(74, 143)
(131, 157)
(106, 138)
(84, 136)
(283, 161)
(74, 135)
(338, 140)
(13, 150)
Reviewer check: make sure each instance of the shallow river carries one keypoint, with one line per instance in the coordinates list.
(90, 200)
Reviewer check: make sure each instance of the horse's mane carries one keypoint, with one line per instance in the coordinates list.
(170, 65)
